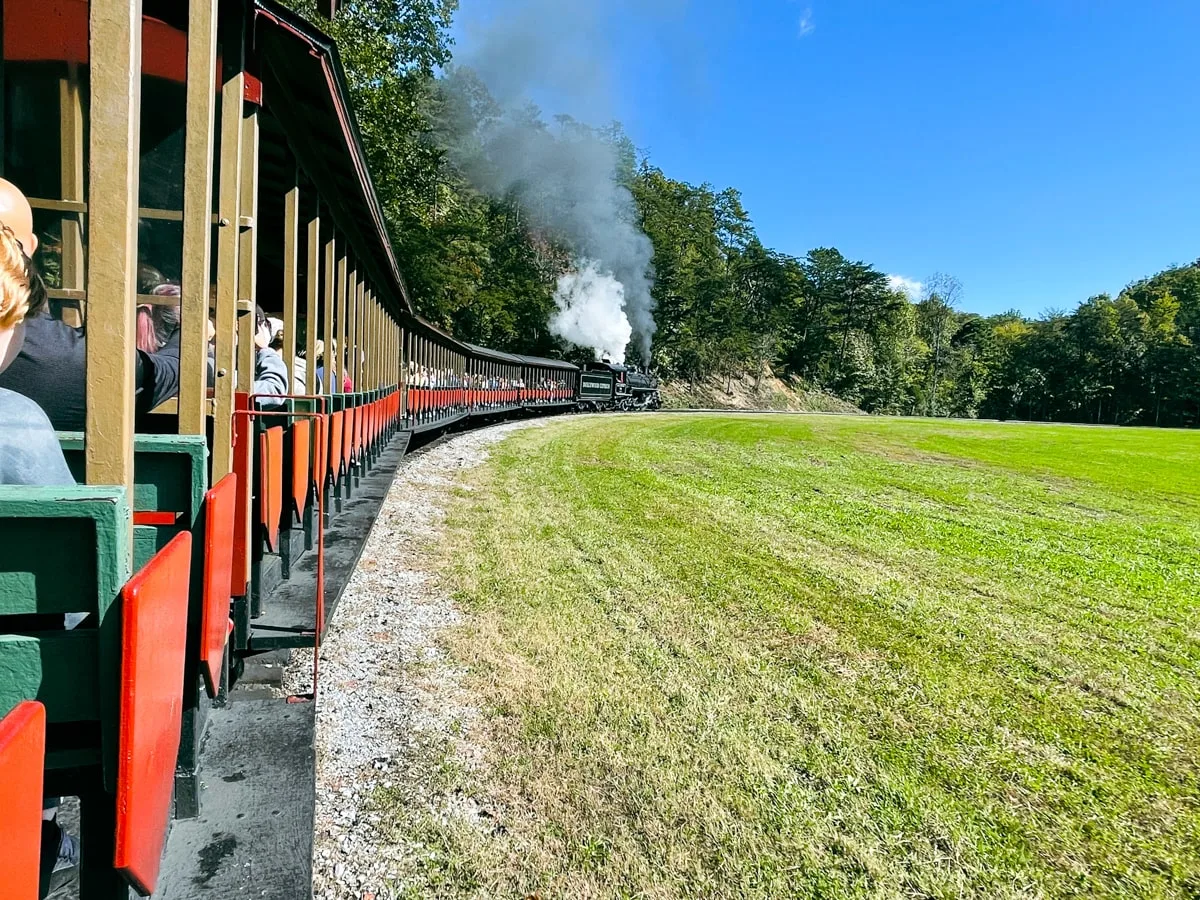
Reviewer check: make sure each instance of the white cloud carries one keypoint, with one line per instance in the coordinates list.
(807, 25)
(910, 286)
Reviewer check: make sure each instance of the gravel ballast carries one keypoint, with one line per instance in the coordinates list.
(389, 701)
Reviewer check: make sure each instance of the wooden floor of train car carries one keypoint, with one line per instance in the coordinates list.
(254, 834)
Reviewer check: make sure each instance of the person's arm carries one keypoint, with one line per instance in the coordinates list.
(158, 375)
(270, 376)
(30, 453)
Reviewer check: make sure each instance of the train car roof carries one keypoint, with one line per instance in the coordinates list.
(489, 353)
(301, 64)
(547, 363)
(436, 333)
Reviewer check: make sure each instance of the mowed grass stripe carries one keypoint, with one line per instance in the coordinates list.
(731, 656)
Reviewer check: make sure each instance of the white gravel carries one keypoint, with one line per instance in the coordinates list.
(385, 689)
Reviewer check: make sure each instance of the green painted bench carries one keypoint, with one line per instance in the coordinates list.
(112, 686)
(170, 474)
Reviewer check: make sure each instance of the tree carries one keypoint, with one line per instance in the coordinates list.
(937, 323)
(727, 305)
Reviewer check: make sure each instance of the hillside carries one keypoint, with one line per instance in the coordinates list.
(741, 393)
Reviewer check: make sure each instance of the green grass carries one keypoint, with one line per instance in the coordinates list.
(736, 656)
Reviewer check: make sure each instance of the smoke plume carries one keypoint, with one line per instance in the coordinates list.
(591, 312)
(568, 178)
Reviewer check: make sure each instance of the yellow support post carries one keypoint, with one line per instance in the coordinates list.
(331, 276)
(248, 254)
(291, 277)
(116, 91)
(228, 257)
(313, 301)
(197, 215)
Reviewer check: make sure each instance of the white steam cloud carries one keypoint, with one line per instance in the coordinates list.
(569, 178)
(591, 312)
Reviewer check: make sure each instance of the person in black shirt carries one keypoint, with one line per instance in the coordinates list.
(51, 370)
(51, 367)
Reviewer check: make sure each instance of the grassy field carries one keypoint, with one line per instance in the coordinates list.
(740, 656)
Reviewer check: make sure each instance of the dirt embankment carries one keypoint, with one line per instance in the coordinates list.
(742, 393)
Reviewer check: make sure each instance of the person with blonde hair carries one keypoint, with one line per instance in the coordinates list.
(29, 451)
(31, 455)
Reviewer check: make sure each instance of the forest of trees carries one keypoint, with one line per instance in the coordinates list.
(726, 304)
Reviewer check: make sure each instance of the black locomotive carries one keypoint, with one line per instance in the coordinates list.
(607, 386)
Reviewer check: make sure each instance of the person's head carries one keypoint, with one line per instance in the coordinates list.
(149, 278)
(166, 323)
(276, 326)
(146, 339)
(16, 214)
(22, 294)
(156, 322)
(320, 352)
(262, 328)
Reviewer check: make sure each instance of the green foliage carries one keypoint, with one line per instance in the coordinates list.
(726, 304)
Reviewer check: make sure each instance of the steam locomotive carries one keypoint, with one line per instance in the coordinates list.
(607, 386)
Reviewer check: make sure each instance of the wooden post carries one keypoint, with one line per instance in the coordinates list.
(291, 282)
(377, 341)
(228, 256)
(331, 274)
(116, 92)
(197, 215)
(248, 254)
(354, 333)
(247, 297)
(339, 328)
(369, 349)
(368, 337)
(313, 300)
(70, 115)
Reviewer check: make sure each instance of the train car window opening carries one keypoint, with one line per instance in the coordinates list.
(46, 135)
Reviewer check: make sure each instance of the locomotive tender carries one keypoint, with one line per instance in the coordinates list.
(212, 144)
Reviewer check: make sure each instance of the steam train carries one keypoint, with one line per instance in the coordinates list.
(212, 144)
(605, 386)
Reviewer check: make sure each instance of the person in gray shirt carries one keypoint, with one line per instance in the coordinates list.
(30, 455)
(270, 371)
(29, 449)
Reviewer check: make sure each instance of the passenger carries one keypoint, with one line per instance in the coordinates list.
(321, 365)
(166, 317)
(270, 371)
(300, 373)
(149, 280)
(299, 364)
(51, 366)
(31, 455)
(29, 451)
(321, 362)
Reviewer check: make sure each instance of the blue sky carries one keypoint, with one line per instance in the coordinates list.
(1040, 150)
